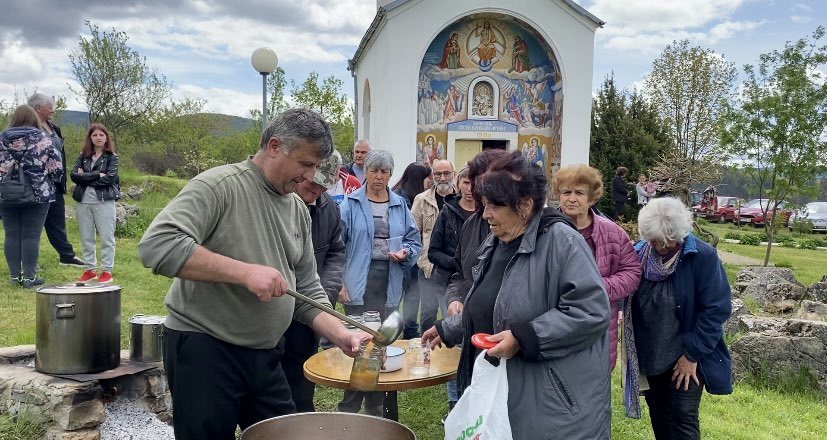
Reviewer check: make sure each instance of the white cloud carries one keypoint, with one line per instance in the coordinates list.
(802, 7)
(800, 19)
(646, 26)
(220, 100)
(648, 15)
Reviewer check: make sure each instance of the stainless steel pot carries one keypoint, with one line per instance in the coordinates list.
(78, 328)
(327, 426)
(145, 334)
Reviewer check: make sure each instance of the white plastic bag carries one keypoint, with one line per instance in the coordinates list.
(482, 411)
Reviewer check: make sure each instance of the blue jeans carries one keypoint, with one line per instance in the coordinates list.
(674, 413)
(23, 226)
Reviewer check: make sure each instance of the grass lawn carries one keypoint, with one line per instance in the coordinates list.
(751, 412)
(808, 265)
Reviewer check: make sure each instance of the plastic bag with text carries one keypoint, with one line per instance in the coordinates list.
(482, 411)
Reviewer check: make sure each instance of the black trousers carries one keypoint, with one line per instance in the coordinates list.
(217, 386)
(23, 226)
(620, 209)
(56, 228)
(674, 413)
(300, 342)
(411, 298)
(375, 299)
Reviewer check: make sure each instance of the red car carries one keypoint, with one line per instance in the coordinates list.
(753, 212)
(723, 212)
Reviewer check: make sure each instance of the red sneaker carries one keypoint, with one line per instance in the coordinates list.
(105, 277)
(88, 275)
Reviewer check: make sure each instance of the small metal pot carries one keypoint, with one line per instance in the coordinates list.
(325, 426)
(145, 335)
(78, 328)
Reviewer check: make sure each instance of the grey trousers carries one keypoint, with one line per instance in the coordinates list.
(98, 217)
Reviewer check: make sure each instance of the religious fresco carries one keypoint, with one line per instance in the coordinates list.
(496, 68)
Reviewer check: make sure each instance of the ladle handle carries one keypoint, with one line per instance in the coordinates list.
(327, 309)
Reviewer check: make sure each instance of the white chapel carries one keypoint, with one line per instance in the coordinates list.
(447, 79)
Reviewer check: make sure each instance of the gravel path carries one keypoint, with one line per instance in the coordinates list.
(126, 420)
(738, 260)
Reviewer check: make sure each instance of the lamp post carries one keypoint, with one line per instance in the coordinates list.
(265, 62)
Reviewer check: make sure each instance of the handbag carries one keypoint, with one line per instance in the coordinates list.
(482, 411)
(16, 190)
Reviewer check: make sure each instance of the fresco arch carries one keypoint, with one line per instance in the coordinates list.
(526, 83)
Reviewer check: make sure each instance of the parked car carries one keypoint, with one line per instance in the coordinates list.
(723, 212)
(814, 213)
(752, 212)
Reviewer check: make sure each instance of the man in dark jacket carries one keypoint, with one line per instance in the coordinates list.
(55, 225)
(357, 168)
(299, 340)
(620, 192)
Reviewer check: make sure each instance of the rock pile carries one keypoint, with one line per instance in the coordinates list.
(776, 343)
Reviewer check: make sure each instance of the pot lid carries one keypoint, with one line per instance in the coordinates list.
(147, 319)
(78, 289)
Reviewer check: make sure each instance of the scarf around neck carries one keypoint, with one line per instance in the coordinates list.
(654, 268)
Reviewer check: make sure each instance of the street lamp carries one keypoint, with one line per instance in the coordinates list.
(265, 62)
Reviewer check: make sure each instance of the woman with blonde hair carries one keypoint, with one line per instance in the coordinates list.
(579, 187)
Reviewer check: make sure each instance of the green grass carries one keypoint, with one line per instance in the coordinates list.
(753, 411)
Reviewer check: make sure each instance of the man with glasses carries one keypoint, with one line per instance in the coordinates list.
(425, 210)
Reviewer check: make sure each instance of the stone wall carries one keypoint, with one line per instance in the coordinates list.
(75, 409)
(789, 331)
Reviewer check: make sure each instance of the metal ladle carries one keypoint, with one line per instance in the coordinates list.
(388, 332)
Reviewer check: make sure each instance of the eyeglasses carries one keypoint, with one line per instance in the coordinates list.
(443, 173)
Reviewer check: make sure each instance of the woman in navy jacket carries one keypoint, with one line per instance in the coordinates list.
(677, 318)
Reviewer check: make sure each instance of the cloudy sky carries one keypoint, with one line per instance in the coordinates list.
(204, 46)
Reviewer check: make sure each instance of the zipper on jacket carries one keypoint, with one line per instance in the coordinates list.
(559, 383)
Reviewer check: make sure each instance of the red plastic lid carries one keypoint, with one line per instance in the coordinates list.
(478, 339)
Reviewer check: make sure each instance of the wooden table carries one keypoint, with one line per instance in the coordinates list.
(332, 368)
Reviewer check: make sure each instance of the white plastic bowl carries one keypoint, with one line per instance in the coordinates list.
(396, 356)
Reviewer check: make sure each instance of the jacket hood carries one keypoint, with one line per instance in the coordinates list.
(14, 133)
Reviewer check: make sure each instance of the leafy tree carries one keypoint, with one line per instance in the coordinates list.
(625, 131)
(689, 87)
(327, 99)
(115, 82)
(778, 125)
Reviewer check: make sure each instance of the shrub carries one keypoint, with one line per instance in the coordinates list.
(733, 235)
(786, 241)
(808, 243)
(751, 239)
(783, 263)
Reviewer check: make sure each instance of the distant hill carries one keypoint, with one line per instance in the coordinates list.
(235, 123)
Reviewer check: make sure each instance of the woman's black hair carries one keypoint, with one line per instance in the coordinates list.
(412, 181)
(509, 180)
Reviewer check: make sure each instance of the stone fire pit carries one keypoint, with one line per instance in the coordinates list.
(118, 407)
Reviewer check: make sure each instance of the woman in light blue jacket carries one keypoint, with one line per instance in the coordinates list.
(382, 241)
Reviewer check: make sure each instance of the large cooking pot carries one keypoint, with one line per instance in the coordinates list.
(327, 426)
(78, 328)
(145, 334)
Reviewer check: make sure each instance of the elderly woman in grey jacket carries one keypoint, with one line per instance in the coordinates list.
(537, 291)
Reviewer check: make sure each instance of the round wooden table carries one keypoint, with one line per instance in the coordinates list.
(332, 368)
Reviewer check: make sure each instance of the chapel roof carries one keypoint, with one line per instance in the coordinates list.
(381, 13)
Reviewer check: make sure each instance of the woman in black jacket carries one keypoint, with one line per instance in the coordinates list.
(96, 175)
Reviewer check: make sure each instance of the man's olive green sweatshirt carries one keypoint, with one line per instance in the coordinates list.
(234, 211)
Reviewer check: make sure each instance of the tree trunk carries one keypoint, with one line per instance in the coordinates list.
(769, 242)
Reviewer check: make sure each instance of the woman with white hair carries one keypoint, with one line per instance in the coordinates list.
(677, 318)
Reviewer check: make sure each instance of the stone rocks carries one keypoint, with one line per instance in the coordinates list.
(123, 212)
(76, 410)
(775, 289)
(812, 310)
(817, 292)
(776, 346)
(733, 324)
(134, 192)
